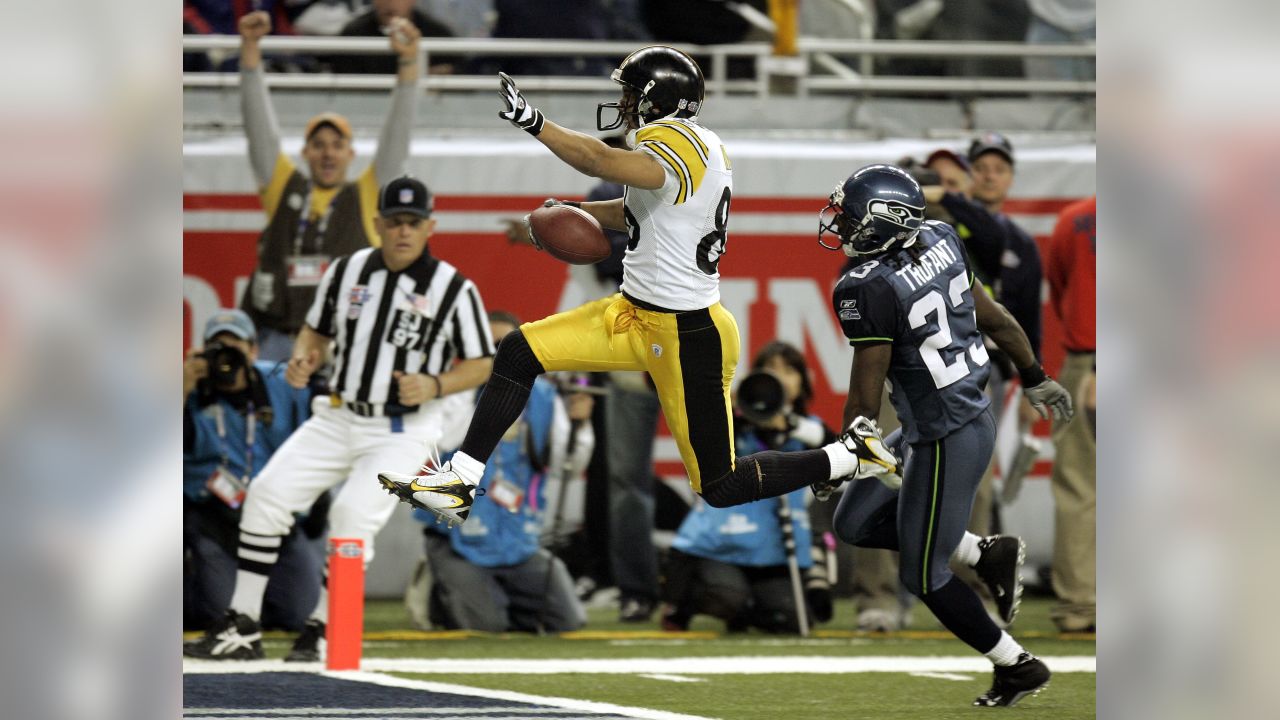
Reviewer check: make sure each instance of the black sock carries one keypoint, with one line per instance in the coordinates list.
(504, 396)
(765, 475)
(960, 610)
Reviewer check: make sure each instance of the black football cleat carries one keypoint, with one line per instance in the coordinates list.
(307, 646)
(235, 637)
(1013, 682)
(998, 566)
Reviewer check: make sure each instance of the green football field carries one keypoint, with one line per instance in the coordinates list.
(837, 673)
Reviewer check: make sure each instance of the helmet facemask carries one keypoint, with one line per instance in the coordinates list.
(630, 109)
(868, 235)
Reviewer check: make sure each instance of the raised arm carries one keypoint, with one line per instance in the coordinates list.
(580, 151)
(393, 142)
(259, 119)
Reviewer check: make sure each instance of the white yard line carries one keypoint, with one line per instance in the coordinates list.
(587, 706)
(671, 678)
(757, 665)
(943, 676)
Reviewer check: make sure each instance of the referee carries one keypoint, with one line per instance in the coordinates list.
(408, 334)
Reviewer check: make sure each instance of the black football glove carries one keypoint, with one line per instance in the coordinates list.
(519, 112)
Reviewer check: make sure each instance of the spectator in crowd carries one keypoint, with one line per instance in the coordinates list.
(220, 17)
(490, 573)
(630, 422)
(407, 337)
(731, 563)
(1071, 267)
(385, 18)
(465, 18)
(1061, 21)
(326, 17)
(1018, 286)
(236, 411)
(312, 219)
(549, 20)
(703, 22)
(990, 20)
(984, 238)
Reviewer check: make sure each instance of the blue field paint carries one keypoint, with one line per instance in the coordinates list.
(284, 695)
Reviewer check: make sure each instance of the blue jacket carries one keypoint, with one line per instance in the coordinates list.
(204, 451)
(747, 534)
(493, 535)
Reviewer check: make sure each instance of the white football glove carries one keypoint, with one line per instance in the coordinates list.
(519, 112)
(1050, 393)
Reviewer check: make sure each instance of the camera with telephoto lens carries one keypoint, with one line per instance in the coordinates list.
(225, 363)
(760, 397)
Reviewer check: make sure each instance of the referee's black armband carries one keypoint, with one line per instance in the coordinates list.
(1032, 376)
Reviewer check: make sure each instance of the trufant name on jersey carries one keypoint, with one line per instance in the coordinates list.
(934, 260)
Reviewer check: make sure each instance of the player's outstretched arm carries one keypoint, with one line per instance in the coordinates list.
(580, 151)
(866, 381)
(996, 322)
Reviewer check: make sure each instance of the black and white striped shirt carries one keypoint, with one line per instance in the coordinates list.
(418, 320)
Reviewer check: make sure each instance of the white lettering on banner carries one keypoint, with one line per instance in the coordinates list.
(737, 295)
(203, 301)
(802, 310)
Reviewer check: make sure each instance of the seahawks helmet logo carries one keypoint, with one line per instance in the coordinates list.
(896, 212)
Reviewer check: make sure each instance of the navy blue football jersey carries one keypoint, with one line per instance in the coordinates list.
(923, 305)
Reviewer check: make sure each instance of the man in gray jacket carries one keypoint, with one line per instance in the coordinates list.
(320, 215)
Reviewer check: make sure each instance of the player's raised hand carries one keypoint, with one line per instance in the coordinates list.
(415, 389)
(519, 112)
(301, 368)
(1053, 396)
(254, 25)
(404, 38)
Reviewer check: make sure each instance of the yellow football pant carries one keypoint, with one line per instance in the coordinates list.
(691, 357)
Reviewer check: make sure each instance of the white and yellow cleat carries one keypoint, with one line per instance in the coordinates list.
(875, 459)
(438, 490)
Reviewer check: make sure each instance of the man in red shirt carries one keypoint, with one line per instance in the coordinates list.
(1070, 267)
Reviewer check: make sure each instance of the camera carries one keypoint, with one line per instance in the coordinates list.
(225, 363)
(760, 397)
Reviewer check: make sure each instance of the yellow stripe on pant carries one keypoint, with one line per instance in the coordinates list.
(691, 357)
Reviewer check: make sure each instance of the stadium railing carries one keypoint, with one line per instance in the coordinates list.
(818, 68)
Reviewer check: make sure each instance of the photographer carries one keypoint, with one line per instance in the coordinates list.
(236, 412)
(731, 563)
(490, 573)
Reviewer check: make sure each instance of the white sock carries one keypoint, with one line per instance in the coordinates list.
(247, 598)
(843, 462)
(321, 612)
(1006, 651)
(967, 551)
(468, 468)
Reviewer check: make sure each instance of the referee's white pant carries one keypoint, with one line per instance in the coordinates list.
(336, 445)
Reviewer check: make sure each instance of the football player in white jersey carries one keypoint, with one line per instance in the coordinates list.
(667, 319)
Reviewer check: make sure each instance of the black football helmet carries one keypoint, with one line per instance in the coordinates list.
(663, 82)
(878, 208)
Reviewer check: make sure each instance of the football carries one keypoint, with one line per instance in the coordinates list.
(569, 234)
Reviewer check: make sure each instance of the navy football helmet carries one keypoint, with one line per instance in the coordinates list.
(879, 208)
(658, 82)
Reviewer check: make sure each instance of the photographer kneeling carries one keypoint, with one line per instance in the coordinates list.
(732, 563)
(236, 412)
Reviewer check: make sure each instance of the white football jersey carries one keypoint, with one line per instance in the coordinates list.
(678, 232)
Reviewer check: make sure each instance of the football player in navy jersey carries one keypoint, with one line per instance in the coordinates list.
(914, 316)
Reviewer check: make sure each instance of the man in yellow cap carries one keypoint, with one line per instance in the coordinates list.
(315, 216)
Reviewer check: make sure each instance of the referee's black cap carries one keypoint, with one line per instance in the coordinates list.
(405, 194)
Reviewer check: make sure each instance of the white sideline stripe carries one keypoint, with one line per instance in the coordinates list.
(671, 678)
(588, 706)
(757, 665)
(943, 676)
